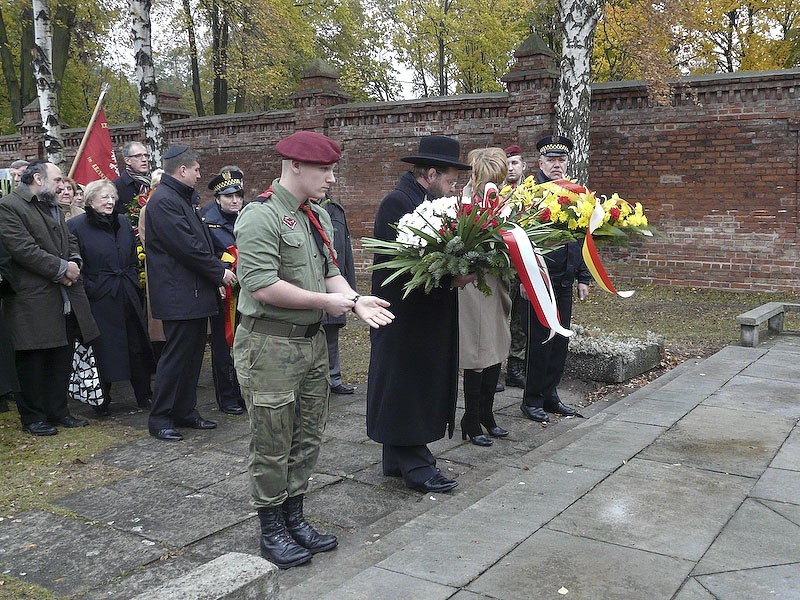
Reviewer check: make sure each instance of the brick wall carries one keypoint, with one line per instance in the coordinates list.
(718, 170)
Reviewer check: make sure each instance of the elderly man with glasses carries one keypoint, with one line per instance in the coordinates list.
(135, 180)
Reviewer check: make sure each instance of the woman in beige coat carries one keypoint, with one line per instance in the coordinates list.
(483, 333)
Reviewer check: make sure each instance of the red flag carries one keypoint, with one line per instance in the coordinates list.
(97, 161)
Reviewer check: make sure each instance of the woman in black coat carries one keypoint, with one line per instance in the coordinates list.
(219, 217)
(108, 247)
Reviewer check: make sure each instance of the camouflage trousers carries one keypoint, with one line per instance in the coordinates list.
(284, 383)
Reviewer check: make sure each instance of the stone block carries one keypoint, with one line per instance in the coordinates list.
(232, 576)
(614, 368)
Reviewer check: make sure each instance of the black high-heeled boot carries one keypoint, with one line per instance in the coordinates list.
(488, 385)
(470, 423)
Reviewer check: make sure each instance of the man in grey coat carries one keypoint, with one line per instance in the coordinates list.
(49, 309)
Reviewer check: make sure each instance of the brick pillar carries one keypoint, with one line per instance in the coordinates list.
(31, 146)
(319, 88)
(532, 85)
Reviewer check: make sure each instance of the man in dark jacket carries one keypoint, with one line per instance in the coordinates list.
(184, 278)
(331, 324)
(545, 361)
(413, 370)
(8, 375)
(135, 179)
(49, 309)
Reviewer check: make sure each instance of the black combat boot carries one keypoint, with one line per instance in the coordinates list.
(515, 373)
(302, 531)
(277, 546)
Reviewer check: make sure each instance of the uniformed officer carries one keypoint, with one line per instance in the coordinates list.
(289, 278)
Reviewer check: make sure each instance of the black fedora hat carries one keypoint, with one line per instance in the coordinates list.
(438, 151)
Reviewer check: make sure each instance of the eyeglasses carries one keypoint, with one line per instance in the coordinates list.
(139, 156)
(113, 197)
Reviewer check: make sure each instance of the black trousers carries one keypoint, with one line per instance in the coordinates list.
(175, 388)
(43, 379)
(545, 361)
(416, 464)
(226, 385)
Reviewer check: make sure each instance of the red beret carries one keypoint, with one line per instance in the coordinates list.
(513, 150)
(309, 147)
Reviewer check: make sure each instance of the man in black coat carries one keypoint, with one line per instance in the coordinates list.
(135, 179)
(184, 278)
(413, 369)
(545, 361)
(8, 375)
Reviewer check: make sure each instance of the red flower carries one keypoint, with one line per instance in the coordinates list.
(545, 215)
(564, 200)
(615, 213)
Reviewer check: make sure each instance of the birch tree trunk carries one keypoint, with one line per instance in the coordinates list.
(146, 78)
(579, 19)
(46, 84)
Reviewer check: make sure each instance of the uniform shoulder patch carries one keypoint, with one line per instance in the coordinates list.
(290, 222)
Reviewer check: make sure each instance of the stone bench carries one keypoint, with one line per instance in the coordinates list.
(772, 313)
(232, 576)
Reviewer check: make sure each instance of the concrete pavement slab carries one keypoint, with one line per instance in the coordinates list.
(472, 540)
(609, 446)
(145, 453)
(586, 569)
(375, 583)
(654, 411)
(692, 590)
(775, 583)
(785, 509)
(66, 555)
(788, 456)
(756, 536)
(781, 366)
(174, 515)
(672, 510)
(346, 426)
(722, 439)
(352, 505)
(339, 457)
(766, 396)
(199, 469)
(143, 578)
(778, 484)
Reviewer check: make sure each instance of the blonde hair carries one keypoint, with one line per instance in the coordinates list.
(155, 178)
(488, 165)
(96, 187)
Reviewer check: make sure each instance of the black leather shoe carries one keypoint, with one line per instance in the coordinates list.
(146, 403)
(168, 435)
(437, 483)
(232, 410)
(70, 421)
(563, 409)
(342, 388)
(40, 428)
(534, 413)
(497, 432)
(102, 410)
(480, 440)
(198, 423)
(515, 380)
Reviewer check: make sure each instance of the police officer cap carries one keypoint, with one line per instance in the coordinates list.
(554, 145)
(309, 147)
(174, 151)
(513, 150)
(227, 182)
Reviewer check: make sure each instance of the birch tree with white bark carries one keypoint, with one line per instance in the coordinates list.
(146, 78)
(46, 84)
(579, 20)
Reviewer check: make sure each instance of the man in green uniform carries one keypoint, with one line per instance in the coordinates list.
(289, 278)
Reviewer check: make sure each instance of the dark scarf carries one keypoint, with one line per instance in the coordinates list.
(142, 180)
(107, 222)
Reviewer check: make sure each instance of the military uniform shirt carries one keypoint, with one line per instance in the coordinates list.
(275, 242)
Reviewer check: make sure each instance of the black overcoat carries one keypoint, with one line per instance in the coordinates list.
(413, 370)
(127, 189)
(37, 243)
(344, 252)
(109, 273)
(182, 272)
(8, 372)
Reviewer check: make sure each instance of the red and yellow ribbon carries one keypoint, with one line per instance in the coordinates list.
(592, 258)
(231, 295)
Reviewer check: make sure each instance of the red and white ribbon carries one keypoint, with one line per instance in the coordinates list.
(535, 279)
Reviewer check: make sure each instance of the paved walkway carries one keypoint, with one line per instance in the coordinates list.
(686, 489)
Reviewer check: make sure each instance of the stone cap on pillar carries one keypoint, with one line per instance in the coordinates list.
(319, 86)
(535, 61)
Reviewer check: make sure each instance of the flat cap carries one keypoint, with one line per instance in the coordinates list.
(174, 151)
(554, 145)
(309, 147)
(513, 150)
(227, 182)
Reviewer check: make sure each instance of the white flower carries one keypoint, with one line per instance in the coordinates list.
(427, 217)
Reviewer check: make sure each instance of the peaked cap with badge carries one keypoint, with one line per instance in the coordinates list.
(309, 147)
(554, 145)
(227, 182)
(438, 151)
